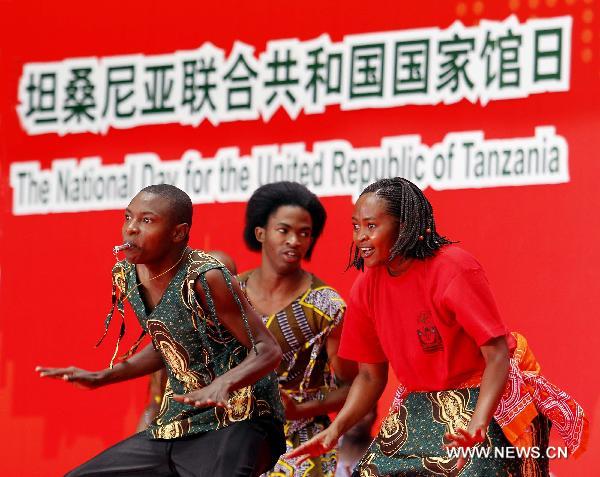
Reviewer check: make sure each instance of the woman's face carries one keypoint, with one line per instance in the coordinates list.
(375, 231)
(286, 237)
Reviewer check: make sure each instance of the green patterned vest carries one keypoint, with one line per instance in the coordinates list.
(195, 347)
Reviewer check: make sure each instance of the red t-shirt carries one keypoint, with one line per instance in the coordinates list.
(428, 322)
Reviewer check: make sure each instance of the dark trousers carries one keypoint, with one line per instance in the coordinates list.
(243, 449)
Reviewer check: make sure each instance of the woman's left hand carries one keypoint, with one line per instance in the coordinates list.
(465, 439)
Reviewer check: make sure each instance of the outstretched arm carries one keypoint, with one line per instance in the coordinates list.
(363, 395)
(345, 371)
(255, 365)
(145, 362)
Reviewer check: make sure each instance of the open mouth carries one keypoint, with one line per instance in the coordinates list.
(291, 255)
(366, 251)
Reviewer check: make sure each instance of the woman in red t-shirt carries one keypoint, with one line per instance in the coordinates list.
(424, 307)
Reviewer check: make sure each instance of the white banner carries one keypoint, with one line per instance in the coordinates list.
(494, 60)
(332, 168)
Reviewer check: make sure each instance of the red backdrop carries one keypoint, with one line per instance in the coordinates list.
(538, 244)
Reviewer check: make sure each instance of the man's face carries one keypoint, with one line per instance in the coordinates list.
(286, 237)
(148, 227)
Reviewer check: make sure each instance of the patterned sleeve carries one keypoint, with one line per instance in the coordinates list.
(329, 305)
(200, 263)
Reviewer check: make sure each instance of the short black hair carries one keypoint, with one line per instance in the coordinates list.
(181, 204)
(268, 198)
(417, 235)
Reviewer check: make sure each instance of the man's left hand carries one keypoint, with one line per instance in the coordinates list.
(213, 395)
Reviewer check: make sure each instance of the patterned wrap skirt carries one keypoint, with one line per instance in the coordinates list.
(411, 441)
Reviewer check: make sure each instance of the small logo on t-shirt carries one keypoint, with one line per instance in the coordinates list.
(428, 334)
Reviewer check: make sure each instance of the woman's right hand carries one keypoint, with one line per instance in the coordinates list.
(363, 395)
(79, 377)
(321, 443)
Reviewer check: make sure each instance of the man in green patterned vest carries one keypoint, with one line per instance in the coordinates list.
(221, 414)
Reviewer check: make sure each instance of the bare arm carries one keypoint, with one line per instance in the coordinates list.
(345, 371)
(145, 362)
(363, 395)
(493, 382)
(255, 365)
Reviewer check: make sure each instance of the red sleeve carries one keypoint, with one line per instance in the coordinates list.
(359, 337)
(470, 300)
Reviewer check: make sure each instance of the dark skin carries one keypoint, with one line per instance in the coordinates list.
(158, 380)
(158, 245)
(254, 366)
(374, 233)
(278, 281)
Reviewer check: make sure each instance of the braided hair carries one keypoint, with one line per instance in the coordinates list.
(417, 236)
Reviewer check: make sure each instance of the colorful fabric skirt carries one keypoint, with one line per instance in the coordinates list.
(411, 438)
(411, 441)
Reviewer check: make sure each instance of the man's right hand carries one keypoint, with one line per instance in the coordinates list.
(77, 376)
(144, 362)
